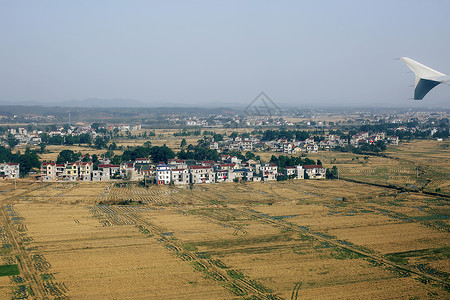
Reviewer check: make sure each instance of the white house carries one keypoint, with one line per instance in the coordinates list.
(9, 170)
(315, 171)
(162, 174)
(180, 176)
(202, 174)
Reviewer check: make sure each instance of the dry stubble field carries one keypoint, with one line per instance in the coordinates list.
(291, 240)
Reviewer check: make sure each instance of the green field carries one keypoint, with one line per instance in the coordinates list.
(9, 270)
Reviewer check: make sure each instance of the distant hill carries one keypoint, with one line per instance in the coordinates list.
(95, 102)
(91, 102)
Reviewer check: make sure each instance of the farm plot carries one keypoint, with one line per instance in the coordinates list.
(95, 261)
(129, 192)
(66, 192)
(294, 239)
(393, 237)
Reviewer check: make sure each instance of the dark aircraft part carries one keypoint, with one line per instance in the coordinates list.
(423, 87)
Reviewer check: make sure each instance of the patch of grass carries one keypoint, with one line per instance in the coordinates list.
(342, 253)
(46, 277)
(9, 270)
(397, 259)
(189, 247)
(236, 289)
(198, 266)
(235, 274)
(218, 263)
(20, 292)
(5, 249)
(259, 286)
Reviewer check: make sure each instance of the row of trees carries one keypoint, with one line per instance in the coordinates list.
(364, 148)
(28, 161)
(283, 161)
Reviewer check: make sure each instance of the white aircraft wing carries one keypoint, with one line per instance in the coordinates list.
(426, 77)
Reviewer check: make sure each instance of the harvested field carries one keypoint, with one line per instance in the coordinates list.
(297, 239)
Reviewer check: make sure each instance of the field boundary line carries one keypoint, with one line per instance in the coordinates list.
(323, 238)
(26, 265)
(394, 187)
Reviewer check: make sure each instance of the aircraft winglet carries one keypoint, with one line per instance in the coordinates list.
(426, 77)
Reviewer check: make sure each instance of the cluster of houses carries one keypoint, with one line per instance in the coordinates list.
(22, 135)
(26, 137)
(9, 171)
(177, 171)
(366, 138)
(309, 145)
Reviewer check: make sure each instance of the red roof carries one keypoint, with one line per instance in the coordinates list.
(228, 165)
(178, 169)
(199, 167)
(312, 167)
(108, 166)
(176, 160)
(13, 164)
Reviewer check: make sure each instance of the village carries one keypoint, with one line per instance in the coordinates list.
(178, 171)
(229, 168)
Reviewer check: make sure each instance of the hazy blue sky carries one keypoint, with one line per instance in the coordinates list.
(220, 52)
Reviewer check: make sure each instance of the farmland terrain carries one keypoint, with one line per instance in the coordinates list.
(295, 239)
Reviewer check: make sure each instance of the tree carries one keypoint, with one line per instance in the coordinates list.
(183, 143)
(147, 144)
(42, 148)
(28, 161)
(233, 135)
(217, 137)
(249, 155)
(282, 178)
(113, 146)
(108, 154)
(100, 143)
(67, 156)
(333, 173)
(12, 141)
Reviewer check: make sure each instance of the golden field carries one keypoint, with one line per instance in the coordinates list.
(298, 239)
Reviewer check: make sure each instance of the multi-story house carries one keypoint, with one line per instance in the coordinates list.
(225, 175)
(48, 171)
(180, 176)
(201, 174)
(9, 170)
(315, 171)
(268, 172)
(101, 175)
(70, 172)
(84, 170)
(162, 174)
(243, 174)
(109, 168)
(177, 163)
(295, 172)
